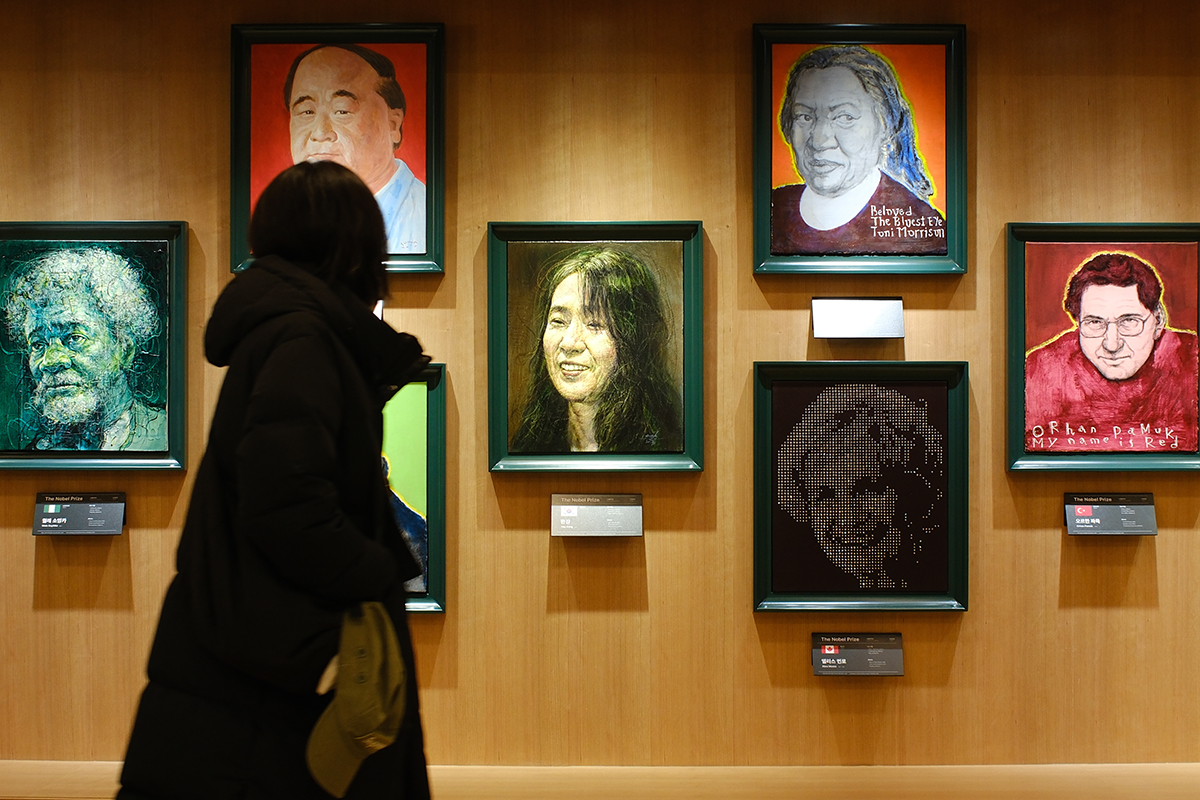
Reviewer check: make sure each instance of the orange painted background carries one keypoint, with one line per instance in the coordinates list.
(922, 72)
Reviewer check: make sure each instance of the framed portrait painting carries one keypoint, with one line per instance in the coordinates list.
(594, 340)
(92, 347)
(370, 97)
(860, 486)
(414, 459)
(1102, 354)
(860, 149)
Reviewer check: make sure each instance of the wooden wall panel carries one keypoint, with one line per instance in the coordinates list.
(644, 652)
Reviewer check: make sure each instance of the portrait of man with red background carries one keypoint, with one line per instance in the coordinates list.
(364, 106)
(1110, 347)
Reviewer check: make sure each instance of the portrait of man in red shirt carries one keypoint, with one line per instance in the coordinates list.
(1122, 377)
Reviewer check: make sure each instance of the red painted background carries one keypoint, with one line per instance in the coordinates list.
(270, 145)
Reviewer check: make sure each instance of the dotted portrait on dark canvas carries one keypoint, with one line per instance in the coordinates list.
(860, 495)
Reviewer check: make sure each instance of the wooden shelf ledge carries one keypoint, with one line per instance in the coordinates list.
(93, 780)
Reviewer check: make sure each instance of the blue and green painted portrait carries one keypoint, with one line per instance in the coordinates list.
(85, 345)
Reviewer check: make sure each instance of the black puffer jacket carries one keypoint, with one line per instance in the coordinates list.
(289, 524)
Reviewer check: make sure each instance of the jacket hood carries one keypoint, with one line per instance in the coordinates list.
(273, 287)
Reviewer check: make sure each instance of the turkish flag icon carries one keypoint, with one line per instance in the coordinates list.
(1083, 511)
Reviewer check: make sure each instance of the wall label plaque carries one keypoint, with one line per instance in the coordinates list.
(858, 317)
(857, 654)
(595, 515)
(79, 514)
(1110, 514)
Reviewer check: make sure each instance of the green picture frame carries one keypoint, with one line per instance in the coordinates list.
(905, 424)
(915, 221)
(265, 59)
(414, 451)
(664, 376)
(126, 347)
(1042, 259)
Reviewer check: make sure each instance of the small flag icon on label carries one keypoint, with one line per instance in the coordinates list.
(829, 649)
(53, 509)
(1083, 511)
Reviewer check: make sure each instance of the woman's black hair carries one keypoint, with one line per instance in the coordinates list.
(639, 406)
(322, 217)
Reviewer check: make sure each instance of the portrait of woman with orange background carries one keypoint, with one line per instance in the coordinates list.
(860, 148)
(850, 134)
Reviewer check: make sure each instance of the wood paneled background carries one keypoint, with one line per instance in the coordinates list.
(643, 652)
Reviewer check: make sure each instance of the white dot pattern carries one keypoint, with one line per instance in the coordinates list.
(864, 468)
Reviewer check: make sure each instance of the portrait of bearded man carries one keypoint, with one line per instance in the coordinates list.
(81, 319)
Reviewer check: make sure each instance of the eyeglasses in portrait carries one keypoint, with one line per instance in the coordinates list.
(1109, 357)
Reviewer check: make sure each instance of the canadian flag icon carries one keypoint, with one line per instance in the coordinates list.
(829, 648)
(1083, 511)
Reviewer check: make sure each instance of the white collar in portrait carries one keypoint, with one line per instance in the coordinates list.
(827, 213)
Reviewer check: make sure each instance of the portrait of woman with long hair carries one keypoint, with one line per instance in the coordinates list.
(601, 372)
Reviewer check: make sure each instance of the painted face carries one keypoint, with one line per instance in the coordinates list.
(580, 352)
(851, 507)
(1117, 355)
(76, 364)
(337, 115)
(836, 133)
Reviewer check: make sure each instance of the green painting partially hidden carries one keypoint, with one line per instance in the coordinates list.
(405, 453)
